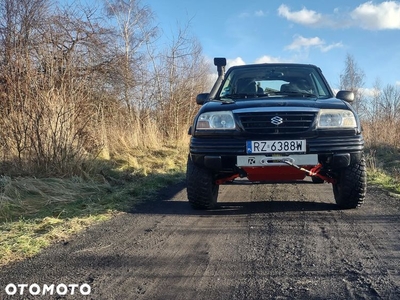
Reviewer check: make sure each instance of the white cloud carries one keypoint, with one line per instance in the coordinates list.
(238, 61)
(370, 16)
(299, 43)
(398, 83)
(370, 92)
(330, 47)
(304, 16)
(385, 15)
(268, 59)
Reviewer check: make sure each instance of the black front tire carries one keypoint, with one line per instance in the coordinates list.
(202, 192)
(351, 186)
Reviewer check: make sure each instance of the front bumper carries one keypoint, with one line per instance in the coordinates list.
(221, 154)
(237, 146)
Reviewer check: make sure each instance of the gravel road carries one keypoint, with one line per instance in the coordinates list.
(266, 241)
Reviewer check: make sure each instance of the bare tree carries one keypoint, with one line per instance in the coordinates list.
(352, 79)
(390, 103)
(70, 86)
(134, 30)
(184, 71)
(48, 66)
(382, 117)
(20, 23)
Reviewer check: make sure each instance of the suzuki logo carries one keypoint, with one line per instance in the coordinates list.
(276, 120)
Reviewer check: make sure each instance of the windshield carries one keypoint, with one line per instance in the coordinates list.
(274, 81)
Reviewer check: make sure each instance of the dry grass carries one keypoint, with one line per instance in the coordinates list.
(382, 140)
(381, 133)
(36, 212)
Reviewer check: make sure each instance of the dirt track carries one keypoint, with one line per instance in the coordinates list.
(273, 241)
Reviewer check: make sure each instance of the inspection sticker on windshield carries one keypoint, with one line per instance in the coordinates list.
(285, 146)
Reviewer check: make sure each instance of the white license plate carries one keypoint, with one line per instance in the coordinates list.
(285, 146)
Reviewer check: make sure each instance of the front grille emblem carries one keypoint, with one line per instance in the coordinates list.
(276, 120)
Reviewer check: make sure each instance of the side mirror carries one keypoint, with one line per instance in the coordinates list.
(202, 98)
(347, 96)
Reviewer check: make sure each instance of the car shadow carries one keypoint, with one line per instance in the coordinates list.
(165, 204)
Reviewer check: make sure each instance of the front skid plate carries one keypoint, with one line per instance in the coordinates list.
(276, 160)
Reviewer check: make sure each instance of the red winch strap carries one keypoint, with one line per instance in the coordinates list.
(313, 172)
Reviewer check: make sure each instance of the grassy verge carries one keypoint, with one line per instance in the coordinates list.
(36, 212)
(383, 166)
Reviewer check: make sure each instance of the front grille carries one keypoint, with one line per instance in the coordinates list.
(291, 122)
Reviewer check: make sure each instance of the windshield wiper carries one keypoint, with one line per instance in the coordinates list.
(302, 94)
(244, 96)
(237, 96)
(224, 100)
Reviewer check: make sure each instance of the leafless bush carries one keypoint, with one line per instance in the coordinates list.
(71, 87)
(381, 123)
(43, 92)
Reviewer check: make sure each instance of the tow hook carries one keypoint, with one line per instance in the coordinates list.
(313, 172)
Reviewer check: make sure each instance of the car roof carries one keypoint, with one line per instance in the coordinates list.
(275, 65)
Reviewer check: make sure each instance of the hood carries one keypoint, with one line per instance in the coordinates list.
(275, 103)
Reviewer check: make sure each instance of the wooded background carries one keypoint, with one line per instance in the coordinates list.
(78, 83)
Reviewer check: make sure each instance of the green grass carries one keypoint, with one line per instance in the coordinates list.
(26, 237)
(36, 212)
(383, 164)
(382, 179)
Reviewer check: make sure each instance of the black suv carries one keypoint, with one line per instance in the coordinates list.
(273, 123)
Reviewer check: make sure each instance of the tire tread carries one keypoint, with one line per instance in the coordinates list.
(202, 192)
(353, 185)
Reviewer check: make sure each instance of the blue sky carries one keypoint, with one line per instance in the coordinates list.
(317, 32)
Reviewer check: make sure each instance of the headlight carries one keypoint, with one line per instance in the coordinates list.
(336, 118)
(216, 120)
